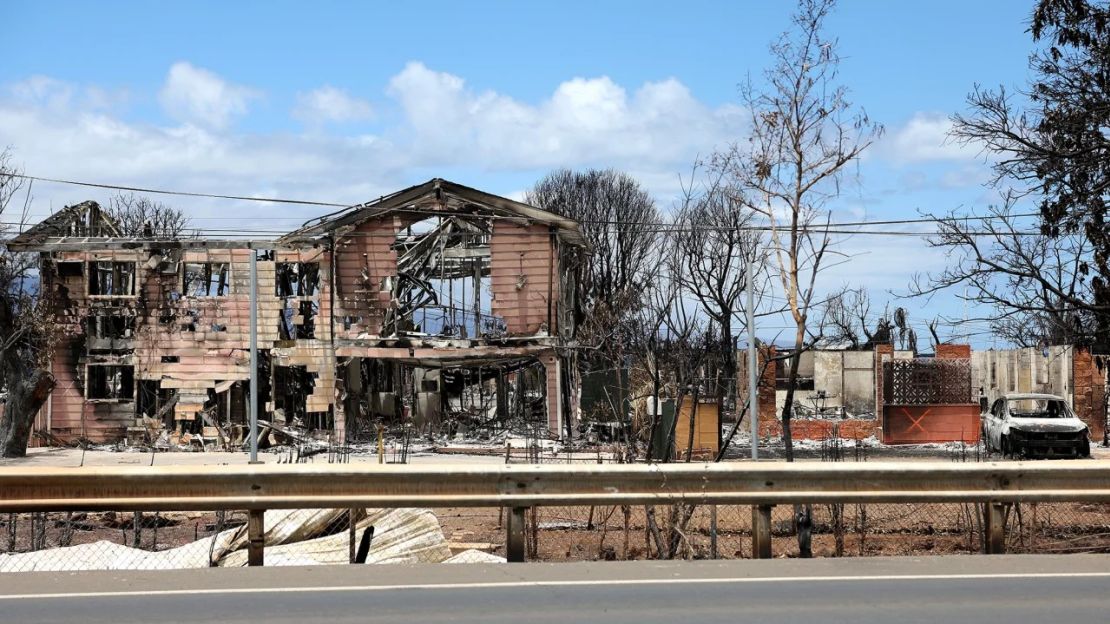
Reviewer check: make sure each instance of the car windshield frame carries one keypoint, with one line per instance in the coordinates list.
(1029, 407)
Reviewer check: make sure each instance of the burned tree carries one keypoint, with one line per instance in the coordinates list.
(1034, 289)
(713, 244)
(849, 319)
(141, 216)
(619, 221)
(804, 135)
(1049, 146)
(25, 333)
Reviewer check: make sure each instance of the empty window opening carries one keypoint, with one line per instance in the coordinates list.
(110, 327)
(206, 279)
(297, 279)
(70, 269)
(298, 321)
(224, 407)
(111, 279)
(170, 359)
(111, 382)
(290, 404)
(156, 402)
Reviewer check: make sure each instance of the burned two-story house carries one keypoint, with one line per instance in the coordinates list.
(439, 307)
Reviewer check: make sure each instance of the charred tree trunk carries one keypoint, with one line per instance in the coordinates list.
(26, 396)
(726, 374)
(803, 514)
(791, 386)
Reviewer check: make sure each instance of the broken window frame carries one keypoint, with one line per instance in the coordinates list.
(297, 279)
(121, 390)
(204, 280)
(114, 269)
(97, 323)
(67, 271)
(308, 310)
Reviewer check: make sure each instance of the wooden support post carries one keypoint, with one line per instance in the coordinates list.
(761, 531)
(514, 535)
(256, 536)
(995, 528)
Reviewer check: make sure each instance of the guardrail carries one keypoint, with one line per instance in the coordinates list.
(257, 488)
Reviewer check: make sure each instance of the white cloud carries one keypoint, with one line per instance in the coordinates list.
(195, 95)
(924, 138)
(966, 176)
(443, 127)
(82, 145)
(55, 95)
(329, 104)
(585, 121)
(43, 91)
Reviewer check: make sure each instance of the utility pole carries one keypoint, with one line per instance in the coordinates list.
(254, 357)
(753, 404)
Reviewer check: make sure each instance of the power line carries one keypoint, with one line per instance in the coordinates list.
(225, 232)
(136, 189)
(826, 227)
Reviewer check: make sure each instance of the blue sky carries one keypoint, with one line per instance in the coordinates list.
(346, 101)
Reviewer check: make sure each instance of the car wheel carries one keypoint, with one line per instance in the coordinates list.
(1005, 446)
(1085, 450)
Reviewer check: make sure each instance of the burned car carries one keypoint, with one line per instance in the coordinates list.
(1035, 425)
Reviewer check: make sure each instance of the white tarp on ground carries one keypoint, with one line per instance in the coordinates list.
(285, 526)
(292, 538)
(105, 555)
(400, 536)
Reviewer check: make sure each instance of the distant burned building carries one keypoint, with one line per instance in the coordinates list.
(439, 305)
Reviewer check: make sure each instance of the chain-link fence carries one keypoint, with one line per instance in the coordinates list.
(166, 540)
(177, 540)
(725, 531)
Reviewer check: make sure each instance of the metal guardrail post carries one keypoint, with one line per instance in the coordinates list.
(256, 536)
(713, 532)
(352, 531)
(995, 528)
(514, 535)
(761, 531)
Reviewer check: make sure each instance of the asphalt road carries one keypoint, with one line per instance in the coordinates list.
(967, 589)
